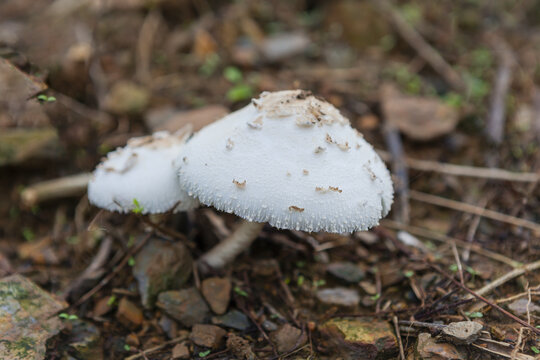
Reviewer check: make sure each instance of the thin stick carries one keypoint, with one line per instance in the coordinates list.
(521, 356)
(472, 209)
(507, 277)
(113, 273)
(398, 335)
(422, 47)
(497, 110)
(464, 170)
(458, 261)
(157, 348)
(74, 185)
(481, 298)
(393, 140)
(430, 234)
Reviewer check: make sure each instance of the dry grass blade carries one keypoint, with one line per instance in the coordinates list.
(463, 170)
(472, 209)
(507, 277)
(143, 354)
(481, 298)
(433, 235)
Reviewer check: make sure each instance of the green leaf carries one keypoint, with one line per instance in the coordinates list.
(127, 347)
(408, 273)
(300, 280)
(210, 65)
(204, 353)
(63, 315)
(138, 209)
(474, 315)
(111, 300)
(233, 74)
(131, 261)
(375, 297)
(535, 350)
(28, 234)
(319, 283)
(240, 292)
(239, 92)
(131, 241)
(453, 268)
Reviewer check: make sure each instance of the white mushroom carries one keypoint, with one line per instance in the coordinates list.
(351, 198)
(142, 176)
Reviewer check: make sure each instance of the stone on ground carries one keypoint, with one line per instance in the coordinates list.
(360, 338)
(186, 306)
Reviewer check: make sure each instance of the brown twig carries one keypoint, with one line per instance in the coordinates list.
(399, 168)
(145, 43)
(422, 47)
(463, 170)
(481, 298)
(95, 269)
(430, 234)
(508, 276)
(398, 335)
(472, 209)
(113, 273)
(157, 348)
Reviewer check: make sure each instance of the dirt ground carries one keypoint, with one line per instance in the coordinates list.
(448, 93)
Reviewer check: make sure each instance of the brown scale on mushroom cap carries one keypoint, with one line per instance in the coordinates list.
(310, 109)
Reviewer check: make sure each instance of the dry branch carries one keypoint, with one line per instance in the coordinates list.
(422, 47)
(463, 170)
(497, 110)
(472, 209)
(74, 185)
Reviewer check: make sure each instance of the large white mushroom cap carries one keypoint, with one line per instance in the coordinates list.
(144, 170)
(291, 160)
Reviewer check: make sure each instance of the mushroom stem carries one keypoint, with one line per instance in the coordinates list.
(229, 248)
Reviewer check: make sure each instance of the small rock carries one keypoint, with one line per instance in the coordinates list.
(126, 97)
(339, 296)
(172, 119)
(288, 338)
(360, 338)
(462, 332)
(180, 351)
(102, 307)
(240, 347)
(27, 318)
(161, 266)
(346, 271)
(520, 306)
(129, 314)
(40, 251)
(234, 319)
(209, 336)
(428, 349)
(217, 292)
(186, 306)
(85, 341)
(368, 287)
(419, 118)
(169, 326)
(269, 325)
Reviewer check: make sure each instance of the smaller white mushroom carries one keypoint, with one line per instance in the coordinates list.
(142, 176)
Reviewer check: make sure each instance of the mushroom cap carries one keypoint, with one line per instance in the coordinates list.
(145, 170)
(291, 160)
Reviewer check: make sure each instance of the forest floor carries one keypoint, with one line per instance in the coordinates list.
(448, 92)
